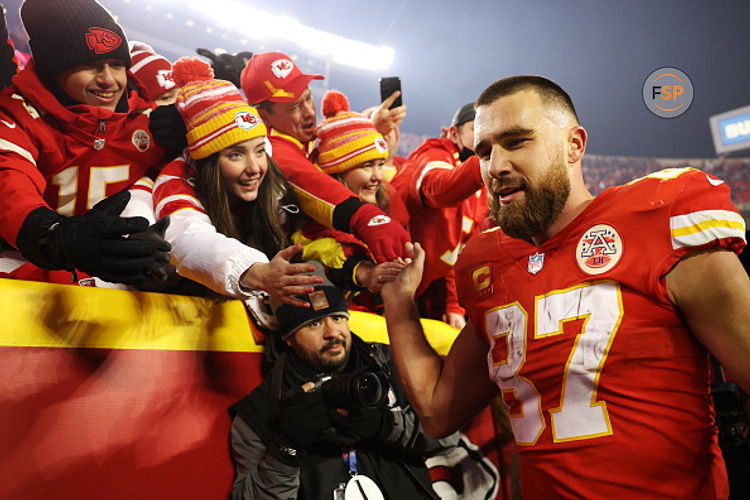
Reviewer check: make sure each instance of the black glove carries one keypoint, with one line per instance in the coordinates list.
(155, 232)
(364, 424)
(166, 126)
(227, 66)
(93, 242)
(302, 417)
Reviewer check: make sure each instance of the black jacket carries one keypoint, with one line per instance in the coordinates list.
(396, 464)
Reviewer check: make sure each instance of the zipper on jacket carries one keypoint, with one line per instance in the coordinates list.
(99, 141)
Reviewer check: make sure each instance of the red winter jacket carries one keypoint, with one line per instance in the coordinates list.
(67, 159)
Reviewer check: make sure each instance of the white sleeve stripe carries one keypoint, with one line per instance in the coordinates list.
(701, 228)
(177, 197)
(433, 165)
(705, 237)
(166, 178)
(15, 148)
(691, 219)
(144, 182)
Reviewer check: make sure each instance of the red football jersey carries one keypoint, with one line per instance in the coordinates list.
(66, 158)
(608, 390)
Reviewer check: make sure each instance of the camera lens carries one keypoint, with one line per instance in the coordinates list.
(368, 389)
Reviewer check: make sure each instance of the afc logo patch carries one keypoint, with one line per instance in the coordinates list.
(599, 249)
(281, 68)
(141, 140)
(102, 40)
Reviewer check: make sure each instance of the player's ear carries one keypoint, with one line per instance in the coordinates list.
(577, 137)
(452, 134)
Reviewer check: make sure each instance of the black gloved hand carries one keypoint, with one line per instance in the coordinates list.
(227, 66)
(364, 424)
(92, 242)
(155, 232)
(166, 126)
(302, 417)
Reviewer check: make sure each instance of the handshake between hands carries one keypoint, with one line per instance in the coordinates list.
(284, 280)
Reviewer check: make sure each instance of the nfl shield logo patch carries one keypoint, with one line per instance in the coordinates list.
(536, 263)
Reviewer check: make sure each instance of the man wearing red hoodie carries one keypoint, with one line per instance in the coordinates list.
(442, 187)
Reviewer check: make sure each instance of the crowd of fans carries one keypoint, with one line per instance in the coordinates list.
(601, 171)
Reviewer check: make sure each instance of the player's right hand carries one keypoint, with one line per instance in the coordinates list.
(407, 282)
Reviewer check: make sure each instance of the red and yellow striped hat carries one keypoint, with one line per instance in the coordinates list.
(214, 112)
(346, 139)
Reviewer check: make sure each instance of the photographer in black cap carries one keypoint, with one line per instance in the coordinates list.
(330, 415)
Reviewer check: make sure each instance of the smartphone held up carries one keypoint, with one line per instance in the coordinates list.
(389, 85)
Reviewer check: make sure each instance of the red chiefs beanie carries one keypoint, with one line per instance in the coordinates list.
(154, 72)
(68, 33)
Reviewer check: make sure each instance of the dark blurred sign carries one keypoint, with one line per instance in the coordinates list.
(731, 130)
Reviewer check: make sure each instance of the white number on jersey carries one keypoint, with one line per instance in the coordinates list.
(580, 414)
(99, 178)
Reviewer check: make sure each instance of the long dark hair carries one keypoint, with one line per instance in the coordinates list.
(258, 224)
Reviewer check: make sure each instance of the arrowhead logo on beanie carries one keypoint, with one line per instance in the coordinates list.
(68, 33)
(102, 40)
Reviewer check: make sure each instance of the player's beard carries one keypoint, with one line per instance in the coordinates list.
(540, 207)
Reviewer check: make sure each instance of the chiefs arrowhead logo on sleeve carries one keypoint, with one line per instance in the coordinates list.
(102, 40)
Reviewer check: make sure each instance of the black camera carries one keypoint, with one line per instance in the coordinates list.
(364, 388)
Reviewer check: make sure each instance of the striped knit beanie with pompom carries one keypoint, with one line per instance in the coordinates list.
(214, 112)
(346, 139)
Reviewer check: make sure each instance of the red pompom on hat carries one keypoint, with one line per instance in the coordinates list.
(215, 114)
(346, 139)
(333, 102)
(191, 69)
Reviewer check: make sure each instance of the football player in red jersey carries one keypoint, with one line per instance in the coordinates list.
(595, 315)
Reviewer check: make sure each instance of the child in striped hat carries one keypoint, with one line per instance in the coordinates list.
(352, 151)
(155, 73)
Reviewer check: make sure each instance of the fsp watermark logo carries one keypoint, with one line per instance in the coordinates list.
(668, 92)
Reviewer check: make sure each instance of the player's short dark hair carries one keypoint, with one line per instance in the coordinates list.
(549, 91)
